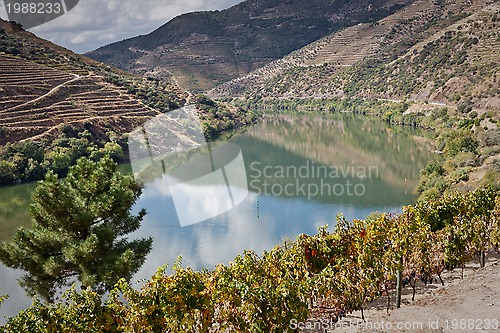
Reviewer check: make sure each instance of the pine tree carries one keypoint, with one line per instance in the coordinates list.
(78, 232)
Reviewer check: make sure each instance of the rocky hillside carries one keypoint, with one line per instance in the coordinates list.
(443, 52)
(203, 49)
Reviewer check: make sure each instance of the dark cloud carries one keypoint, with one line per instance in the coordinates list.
(94, 23)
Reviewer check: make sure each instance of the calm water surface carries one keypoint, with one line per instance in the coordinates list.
(301, 172)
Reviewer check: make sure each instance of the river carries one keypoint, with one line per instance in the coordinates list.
(301, 171)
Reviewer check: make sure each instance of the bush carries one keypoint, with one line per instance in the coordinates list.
(464, 107)
(433, 168)
(8, 173)
(490, 138)
(113, 150)
(460, 141)
(458, 175)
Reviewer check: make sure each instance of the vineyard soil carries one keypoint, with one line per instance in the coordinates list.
(475, 297)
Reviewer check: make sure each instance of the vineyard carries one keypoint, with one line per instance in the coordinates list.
(336, 272)
(36, 99)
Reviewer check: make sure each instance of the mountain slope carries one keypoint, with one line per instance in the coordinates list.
(57, 106)
(205, 48)
(44, 87)
(442, 52)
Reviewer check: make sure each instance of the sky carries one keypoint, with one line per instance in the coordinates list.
(94, 23)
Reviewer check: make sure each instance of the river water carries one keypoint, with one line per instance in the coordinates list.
(301, 171)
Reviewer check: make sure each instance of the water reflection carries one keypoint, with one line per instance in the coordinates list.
(382, 158)
(218, 186)
(217, 240)
(14, 209)
(14, 213)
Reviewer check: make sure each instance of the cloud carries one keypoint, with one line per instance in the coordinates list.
(94, 23)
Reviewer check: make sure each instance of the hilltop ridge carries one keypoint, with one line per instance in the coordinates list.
(202, 49)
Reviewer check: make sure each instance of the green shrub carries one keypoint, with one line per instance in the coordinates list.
(8, 172)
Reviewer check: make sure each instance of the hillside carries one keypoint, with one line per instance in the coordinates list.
(432, 64)
(203, 49)
(43, 86)
(36, 100)
(56, 106)
(441, 52)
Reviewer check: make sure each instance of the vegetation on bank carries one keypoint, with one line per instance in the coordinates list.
(218, 118)
(344, 270)
(30, 160)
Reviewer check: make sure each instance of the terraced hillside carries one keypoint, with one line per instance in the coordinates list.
(332, 53)
(44, 87)
(57, 106)
(429, 51)
(35, 100)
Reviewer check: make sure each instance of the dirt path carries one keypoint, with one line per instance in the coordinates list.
(39, 98)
